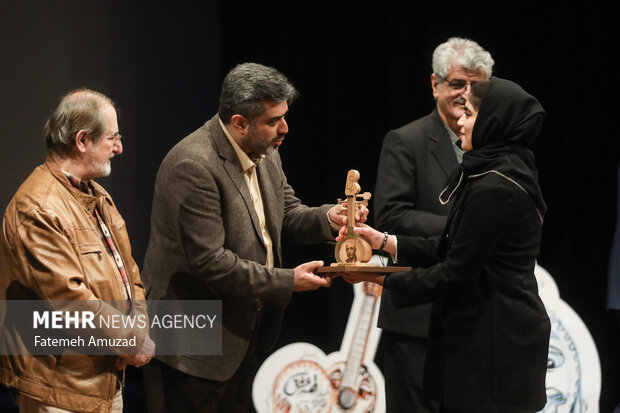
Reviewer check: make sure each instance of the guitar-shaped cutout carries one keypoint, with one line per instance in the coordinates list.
(355, 386)
(300, 378)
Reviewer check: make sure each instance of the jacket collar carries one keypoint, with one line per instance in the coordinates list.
(264, 170)
(234, 169)
(222, 145)
(441, 145)
(87, 201)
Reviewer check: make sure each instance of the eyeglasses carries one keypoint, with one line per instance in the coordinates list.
(116, 138)
(459, 84)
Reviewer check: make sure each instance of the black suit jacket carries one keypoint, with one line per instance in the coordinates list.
(415, 162)
(206, 243)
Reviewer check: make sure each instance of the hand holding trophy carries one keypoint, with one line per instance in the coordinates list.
(353, 251)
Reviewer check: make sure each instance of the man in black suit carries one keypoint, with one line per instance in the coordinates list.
(222, 206)
(415, 162)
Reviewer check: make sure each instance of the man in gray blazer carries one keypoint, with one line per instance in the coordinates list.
(414, 164)
(222, 206)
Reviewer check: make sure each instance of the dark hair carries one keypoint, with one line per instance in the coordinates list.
(78, 110)
(477, 93)
(247, 85)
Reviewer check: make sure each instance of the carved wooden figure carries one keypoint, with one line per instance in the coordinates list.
(351, 249)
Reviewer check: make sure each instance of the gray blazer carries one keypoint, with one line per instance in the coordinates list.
(206, 243)
(414, 165)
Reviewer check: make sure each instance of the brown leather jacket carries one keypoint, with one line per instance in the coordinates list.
(51, 250)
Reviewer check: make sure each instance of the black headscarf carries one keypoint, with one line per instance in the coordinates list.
(508, 121)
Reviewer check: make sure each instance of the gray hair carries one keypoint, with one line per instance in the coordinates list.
(247, 85)
(461, 52)
(78, 110)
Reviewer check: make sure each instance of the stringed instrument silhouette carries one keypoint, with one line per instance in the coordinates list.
(300, 378)
(355, 386)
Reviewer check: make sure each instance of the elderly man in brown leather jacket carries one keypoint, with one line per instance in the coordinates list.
(63, 239)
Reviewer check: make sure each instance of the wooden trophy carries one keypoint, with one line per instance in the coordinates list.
(351, 249)
(352, 252)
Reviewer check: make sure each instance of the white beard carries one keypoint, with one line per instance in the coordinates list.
(105, 170)
(100, 170)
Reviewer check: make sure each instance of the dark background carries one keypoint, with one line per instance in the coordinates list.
(361, 71)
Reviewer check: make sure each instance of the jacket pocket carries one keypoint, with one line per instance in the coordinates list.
(89, 243)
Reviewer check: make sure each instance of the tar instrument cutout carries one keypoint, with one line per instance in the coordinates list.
(300, 378)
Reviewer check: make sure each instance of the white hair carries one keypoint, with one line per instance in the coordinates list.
(461, 52)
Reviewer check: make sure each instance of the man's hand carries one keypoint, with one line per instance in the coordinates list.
(338, 214)
(145, 354)
(306, 280)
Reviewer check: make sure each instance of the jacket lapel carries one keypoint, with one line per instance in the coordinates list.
(441, 146)
(233, 168)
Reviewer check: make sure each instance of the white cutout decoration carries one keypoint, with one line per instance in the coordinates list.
(573, 366)
(300, 378)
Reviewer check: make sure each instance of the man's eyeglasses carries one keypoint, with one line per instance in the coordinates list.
(459, 84)
(117, 137)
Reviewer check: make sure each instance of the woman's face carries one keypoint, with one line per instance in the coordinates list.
(466, 123)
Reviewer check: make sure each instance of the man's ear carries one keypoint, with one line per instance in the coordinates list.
(435, 85)
(239, 123)
(81, 141)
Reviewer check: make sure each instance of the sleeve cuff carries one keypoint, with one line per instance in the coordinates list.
(395, 255)
(335, 227)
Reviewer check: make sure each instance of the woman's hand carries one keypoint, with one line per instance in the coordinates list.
(366, 232)
(372, 236)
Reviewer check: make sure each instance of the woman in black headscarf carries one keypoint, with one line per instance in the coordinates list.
(489, 331)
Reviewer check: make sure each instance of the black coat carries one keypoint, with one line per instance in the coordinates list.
(489, 332)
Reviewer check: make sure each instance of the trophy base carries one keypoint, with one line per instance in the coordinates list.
(369, 264)
(359, 267)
